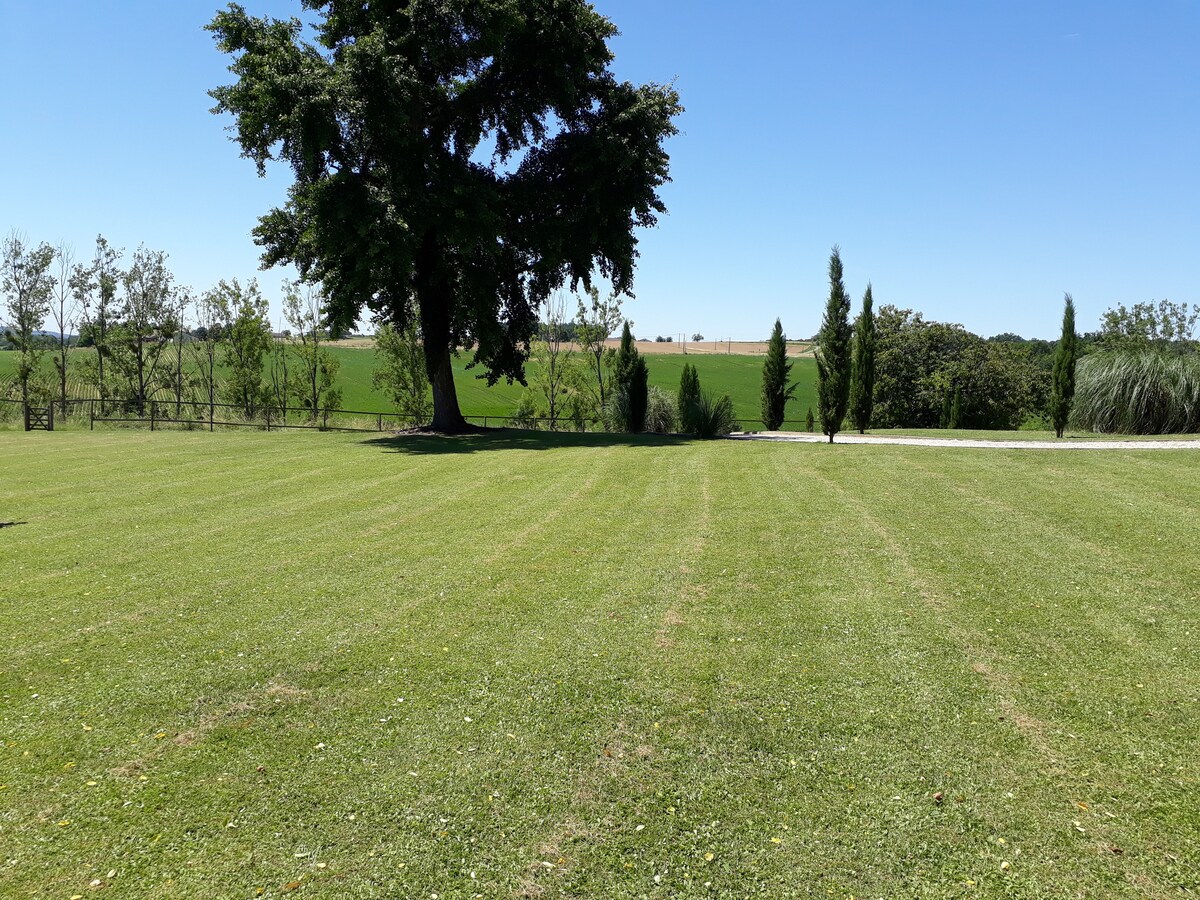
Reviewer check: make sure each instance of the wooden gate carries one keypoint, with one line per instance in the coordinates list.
(39, 417)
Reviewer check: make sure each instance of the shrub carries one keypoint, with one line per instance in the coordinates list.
(661, 412)
(1140, 392)
(714, 417)
(525, 415)
(810, 422)
(615, 414)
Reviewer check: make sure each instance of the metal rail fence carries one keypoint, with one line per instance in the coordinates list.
(192, 414)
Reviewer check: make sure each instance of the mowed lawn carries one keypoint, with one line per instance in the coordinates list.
(539, 666)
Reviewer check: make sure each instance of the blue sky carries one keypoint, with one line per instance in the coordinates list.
(973, 160)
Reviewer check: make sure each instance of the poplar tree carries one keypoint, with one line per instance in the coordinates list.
(833, 352)
(1062, 390)
(776, 391)
(862, 374)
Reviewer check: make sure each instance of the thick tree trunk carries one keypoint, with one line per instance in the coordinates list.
(447, 417)
(435, 297)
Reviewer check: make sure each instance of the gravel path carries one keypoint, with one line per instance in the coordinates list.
(792, 437)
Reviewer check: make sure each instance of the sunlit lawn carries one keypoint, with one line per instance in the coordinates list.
(532, 666)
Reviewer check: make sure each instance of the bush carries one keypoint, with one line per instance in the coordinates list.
(661, 412)
(1146, 392)
(525, 415)
(615, 414)
(714, 417)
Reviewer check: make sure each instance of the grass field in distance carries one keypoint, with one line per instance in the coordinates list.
(738, 375)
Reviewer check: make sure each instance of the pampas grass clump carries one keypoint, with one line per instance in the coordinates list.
(1142, 392)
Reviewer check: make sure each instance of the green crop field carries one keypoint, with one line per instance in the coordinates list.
(738, 375)
(527, 665)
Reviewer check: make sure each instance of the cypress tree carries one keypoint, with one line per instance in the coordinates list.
(956, 420)
(626, 354)
(1062, 390)
(632, 382)
(689, 398)
(833, 352)
(810, 423)
(639, 395)
(862, 375)
(776, 391)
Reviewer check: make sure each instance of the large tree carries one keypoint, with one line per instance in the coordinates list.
(862, 369)
(833, 352)
(454, 161)
(1062, 387)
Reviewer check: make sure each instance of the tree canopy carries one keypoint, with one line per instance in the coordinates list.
(454, 161)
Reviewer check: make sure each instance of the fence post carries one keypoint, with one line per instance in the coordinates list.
(92, 415)
(25, 408)
(153, 410)
(50, 417)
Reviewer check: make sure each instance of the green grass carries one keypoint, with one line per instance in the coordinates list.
(616, 657)
(739, 376)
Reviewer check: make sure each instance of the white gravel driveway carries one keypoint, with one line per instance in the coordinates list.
(965, 443)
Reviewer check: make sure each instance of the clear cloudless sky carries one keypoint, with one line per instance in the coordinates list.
(973, 160)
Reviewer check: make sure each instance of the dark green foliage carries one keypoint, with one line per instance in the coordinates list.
(638, 396)
(833, 352)
(1062, 388)
(919, 363)
(956, 419)
(631, 382)
(714, 417)
(689, 398)
(1138, 392)
(862, 374)
(776, 391)
(455, 162)
(810, 421)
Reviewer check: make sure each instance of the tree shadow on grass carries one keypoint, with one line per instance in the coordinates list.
(519, 439)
